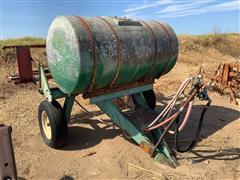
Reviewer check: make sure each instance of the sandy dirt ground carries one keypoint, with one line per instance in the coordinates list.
(216, 155)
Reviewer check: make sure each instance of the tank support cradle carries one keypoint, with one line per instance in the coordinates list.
(163, 154)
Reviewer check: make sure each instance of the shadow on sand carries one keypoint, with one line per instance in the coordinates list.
(216, 118)
(85, 137)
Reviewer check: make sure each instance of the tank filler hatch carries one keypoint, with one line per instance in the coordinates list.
(126, 22)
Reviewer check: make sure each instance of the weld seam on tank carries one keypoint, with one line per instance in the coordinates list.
(119, 50)
(94, 50)
(155, 46)
(169, 49)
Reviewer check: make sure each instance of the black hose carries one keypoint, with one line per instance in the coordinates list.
(176, 120)
(193, 143)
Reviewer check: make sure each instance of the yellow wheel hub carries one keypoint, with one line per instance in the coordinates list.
(46, 125)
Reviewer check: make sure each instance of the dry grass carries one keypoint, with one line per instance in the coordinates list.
(209, 50)
(221, 42)
(23, 41)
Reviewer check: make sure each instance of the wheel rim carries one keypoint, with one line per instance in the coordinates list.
(46, 125)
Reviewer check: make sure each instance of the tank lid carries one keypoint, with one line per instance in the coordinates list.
(126, 22)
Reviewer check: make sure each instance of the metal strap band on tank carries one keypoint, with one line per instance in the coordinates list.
(94, 50)
(155, 46)
(169, 44)
(119, 50)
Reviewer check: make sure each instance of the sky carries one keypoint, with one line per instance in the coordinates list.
(21, 18)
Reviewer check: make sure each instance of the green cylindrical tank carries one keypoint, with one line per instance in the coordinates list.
(95, 52)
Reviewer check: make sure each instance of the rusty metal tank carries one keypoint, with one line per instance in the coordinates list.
(95, 52)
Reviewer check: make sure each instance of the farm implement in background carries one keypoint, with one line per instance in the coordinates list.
(23, 54)
(227, 76)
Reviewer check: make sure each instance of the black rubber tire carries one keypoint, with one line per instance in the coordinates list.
(150, 99)
(58, 124)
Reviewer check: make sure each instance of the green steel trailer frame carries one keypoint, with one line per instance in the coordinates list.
(51, 115)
